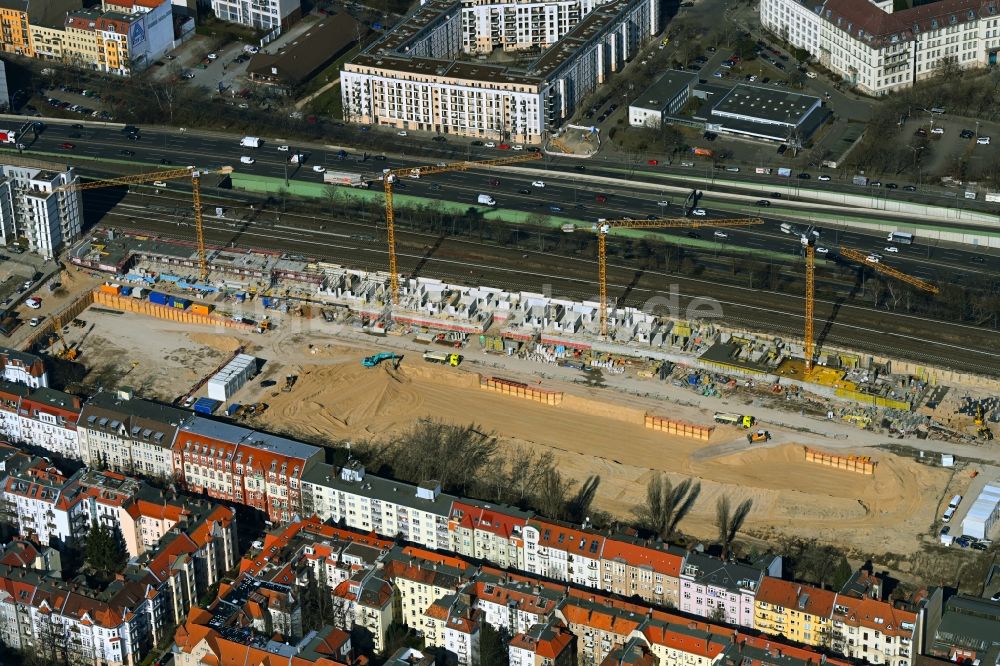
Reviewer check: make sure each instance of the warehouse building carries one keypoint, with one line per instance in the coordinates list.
(666, 96)
(766, 113)
(419, 76)
(984, 512)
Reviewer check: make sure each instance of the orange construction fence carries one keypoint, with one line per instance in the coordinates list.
(520, 390)
(679, 428)
(141, 306)
(857, 464)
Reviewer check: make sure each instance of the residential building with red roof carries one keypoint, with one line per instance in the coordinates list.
(548, 644)
(199, 641)
(635, 568)
(366, 600)
(801, 613)
(598, 625)
(23, 368)
(564, 553)
(237, 464)
(514, 605)
(418, 581)
(452, 623)
(874, 631)
(487, 532)
(349, 496)
(37, 499)
(41, 417)
(754, 651)
(634, 652)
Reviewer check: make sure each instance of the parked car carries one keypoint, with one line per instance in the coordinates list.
(890, 248)
(825, 178)
(653, 162)
(983, 141)
(67, 146)
(127, 153)
(822, 250)
(720, 234)
(937, 130)
(700, 212)
(764, 203)
(909, 188)
(538, 183)
(320, 169)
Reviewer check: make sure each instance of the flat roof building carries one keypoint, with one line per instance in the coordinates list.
(765, 113)
(666, 96)
(984, 512)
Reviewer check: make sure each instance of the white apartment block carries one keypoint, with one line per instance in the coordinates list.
(878, 50)
(415, 76)
(416, 513)
(37, 501)
(49, 218)
(260, 14)
(488, 24)
(23, 368)
(563, 553)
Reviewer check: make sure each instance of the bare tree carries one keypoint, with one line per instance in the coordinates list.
(729, 521)
(666, 504)
(552, 494)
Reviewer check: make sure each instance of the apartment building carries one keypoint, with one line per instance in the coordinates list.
(349, 496)
(648, 571)
(419, 579)
(35, 499)
(18, 16)
(557, 551)
(21, 367)
(479, 530)
(723, 590)
(513, 604)
(121, 432)
(874, 631)
(450, 622)
(878, 49)
(48, 217)
(415, 77)
(45, 417)
(549, 644)
(366, 600)
(488, 24)
(261, 14)
(237, 464)
(801, 613)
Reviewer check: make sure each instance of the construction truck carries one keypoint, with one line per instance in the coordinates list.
(442, 357)
(289, 383)
(376, 359)
(761, 436)
(735, 419)
(345, 178)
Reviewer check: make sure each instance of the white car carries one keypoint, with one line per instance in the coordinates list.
(189, 401)
(35, 321)
(490, 144)
(282, 149)
(700, 212)
(873, 258)
(159, 183)
(517, 147)
(937, 130)
(822, 250)
(721, 234)
(402, 133)
(824, 178)
(983, 141)
(246, 159)
(663, 203)
(891, 248)
(319, 169)
(34, 303)
(538, 183)
(212, 56)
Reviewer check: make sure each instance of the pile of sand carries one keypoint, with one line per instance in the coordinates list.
(597, 436)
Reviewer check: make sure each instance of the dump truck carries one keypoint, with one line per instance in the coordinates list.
(735, 419)
(759, 436)
(345, 178)
(442, 357)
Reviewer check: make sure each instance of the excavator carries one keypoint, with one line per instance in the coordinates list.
(376, 359)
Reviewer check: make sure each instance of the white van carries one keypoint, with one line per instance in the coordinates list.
(247, 160)
(786, 228)
(955, 501)
(487, 200)
(948, 513)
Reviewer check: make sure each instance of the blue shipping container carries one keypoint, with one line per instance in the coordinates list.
(206, 405)
(157, 297)
(178, 302)
(126, 291)
(232, 409)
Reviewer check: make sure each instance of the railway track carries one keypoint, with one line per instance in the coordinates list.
(463, 260)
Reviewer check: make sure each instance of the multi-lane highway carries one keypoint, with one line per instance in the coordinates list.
(567, 193)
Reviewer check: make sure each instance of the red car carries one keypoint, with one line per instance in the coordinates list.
(653, 162)
(67, 146)
(602, 198)
(503, 146)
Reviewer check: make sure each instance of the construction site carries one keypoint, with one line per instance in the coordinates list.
(341, 354)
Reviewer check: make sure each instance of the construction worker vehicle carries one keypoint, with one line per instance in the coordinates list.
(376, 359)
(760, 436)
(289, 383)
(735, 419)
(442, 357)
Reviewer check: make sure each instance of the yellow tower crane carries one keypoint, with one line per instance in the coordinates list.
(604, 226)
(169, 174)
(808, 348)
(862, 259)
(389, 177)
